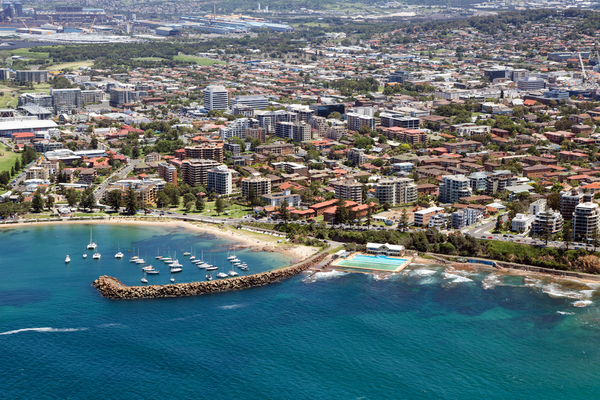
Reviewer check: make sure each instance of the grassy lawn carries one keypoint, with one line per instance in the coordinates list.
(233, 211)
(30, 54)
(7, 158)
(38, 216)
(197, 60)
(71, 65)
(11, 95)
(89, 215)
(148, 59)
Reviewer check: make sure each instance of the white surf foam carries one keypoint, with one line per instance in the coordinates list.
(565, 313)
(556, 290)
(44, 330)
(231, 307)
(491, 281)
(428, 280)
(328, 275)
(423, 272)
(456, 278)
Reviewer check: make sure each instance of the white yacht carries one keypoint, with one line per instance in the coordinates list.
(96, 256)
(209, 277)
(173, 270)
(119, 254)
(144, 280)
(140, 261)
(68, 259)
(91, 245)
(232, 273)
(148, 268)
(222, 275)
(152, 272)
(212, 268)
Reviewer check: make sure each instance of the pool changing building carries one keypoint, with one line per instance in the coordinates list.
(385, 249)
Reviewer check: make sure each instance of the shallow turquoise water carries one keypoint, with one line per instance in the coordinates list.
(429, 333)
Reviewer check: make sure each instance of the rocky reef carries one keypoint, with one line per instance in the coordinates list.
(112, 288)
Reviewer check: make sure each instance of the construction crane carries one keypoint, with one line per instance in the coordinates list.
(89, 30)
(26, 26)
(583, 74)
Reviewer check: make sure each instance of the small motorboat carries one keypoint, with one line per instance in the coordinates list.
(84, 255)
(144, 280)
(68, 259)
(209, 277)
(172, 279)
(96, 256)
(245, 268)
(187, 253)
(119, 255)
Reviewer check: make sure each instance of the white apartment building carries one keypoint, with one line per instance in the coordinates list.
(216, 98)
(220, 180)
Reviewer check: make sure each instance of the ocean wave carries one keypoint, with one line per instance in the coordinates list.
(456, 277)
(44, 330)
(231, 307)
(326, 275)
(423, 272)
(491, 281)
(582, 303)
(565, 313)
(428, 280)
(556, 290)
(109, 325)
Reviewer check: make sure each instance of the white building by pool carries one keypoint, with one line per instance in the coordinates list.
(385, 249)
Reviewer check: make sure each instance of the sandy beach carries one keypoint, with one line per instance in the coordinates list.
(241, 238)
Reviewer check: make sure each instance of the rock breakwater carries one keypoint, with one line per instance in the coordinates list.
(112, 288)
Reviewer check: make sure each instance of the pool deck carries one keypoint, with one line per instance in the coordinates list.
(400, 267)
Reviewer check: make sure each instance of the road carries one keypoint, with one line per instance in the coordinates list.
(101, 189)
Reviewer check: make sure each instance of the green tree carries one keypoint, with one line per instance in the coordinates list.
(567, 234)
(220, 206)
(404, 219)
(72, 197)
(553, 201)
(387, 206)
(162, 199)
(87, 199)
(4, 178)
(37, 203)
(188, 201)
(114, 199)
(284, 213)
(498, 227)
(49, 201)
(342, 214)
(94, 143)
(17, 165)
(199, 203)
(131, 205)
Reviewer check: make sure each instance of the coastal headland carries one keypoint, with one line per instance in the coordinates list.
(112, 288)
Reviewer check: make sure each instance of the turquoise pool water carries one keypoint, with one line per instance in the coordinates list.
(373, 262)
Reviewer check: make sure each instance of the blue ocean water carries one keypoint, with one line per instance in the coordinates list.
(428, 333)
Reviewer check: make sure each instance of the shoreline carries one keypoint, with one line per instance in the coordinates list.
(240, 238)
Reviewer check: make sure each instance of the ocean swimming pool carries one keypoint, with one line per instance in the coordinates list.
(373, 262)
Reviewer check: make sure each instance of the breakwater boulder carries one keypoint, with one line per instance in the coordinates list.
(112, 288)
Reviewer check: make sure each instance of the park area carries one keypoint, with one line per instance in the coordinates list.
(7, 158)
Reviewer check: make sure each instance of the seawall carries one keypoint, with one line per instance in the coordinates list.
(112, 288)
